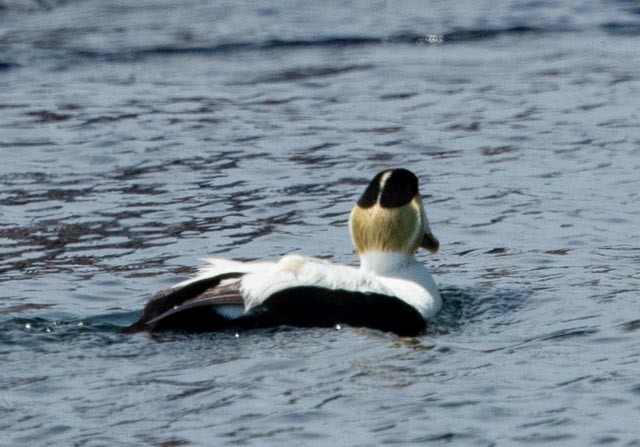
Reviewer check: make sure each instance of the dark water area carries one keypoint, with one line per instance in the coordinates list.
(138, 137)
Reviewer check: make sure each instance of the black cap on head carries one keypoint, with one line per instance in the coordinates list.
(391, 189)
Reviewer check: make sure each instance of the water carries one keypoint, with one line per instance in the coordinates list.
(135, 139)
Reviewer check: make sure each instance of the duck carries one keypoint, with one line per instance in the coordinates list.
(390, 290)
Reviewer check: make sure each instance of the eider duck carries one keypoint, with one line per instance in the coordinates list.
(390, 290)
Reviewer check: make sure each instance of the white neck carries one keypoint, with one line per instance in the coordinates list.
(386, 264)
(400, 266)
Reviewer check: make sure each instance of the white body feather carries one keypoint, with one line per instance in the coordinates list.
(391, 274)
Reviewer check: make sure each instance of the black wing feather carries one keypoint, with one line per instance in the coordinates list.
(318, 307)
(192, 309)
(164, 304)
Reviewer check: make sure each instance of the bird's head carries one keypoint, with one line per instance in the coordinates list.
(389, 216)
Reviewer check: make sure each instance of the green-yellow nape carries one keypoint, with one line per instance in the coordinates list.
(391, 230)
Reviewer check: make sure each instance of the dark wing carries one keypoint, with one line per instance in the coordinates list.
(191, 307)
(318, 307)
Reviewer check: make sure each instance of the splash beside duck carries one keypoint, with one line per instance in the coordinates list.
(390, 291)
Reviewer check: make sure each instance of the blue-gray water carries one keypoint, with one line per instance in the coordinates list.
(136, 137)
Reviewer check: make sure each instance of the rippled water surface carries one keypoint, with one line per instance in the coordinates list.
(136, 137)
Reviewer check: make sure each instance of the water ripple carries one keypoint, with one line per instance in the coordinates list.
(137, 138)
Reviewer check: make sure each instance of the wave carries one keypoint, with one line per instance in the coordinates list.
(403, 38)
